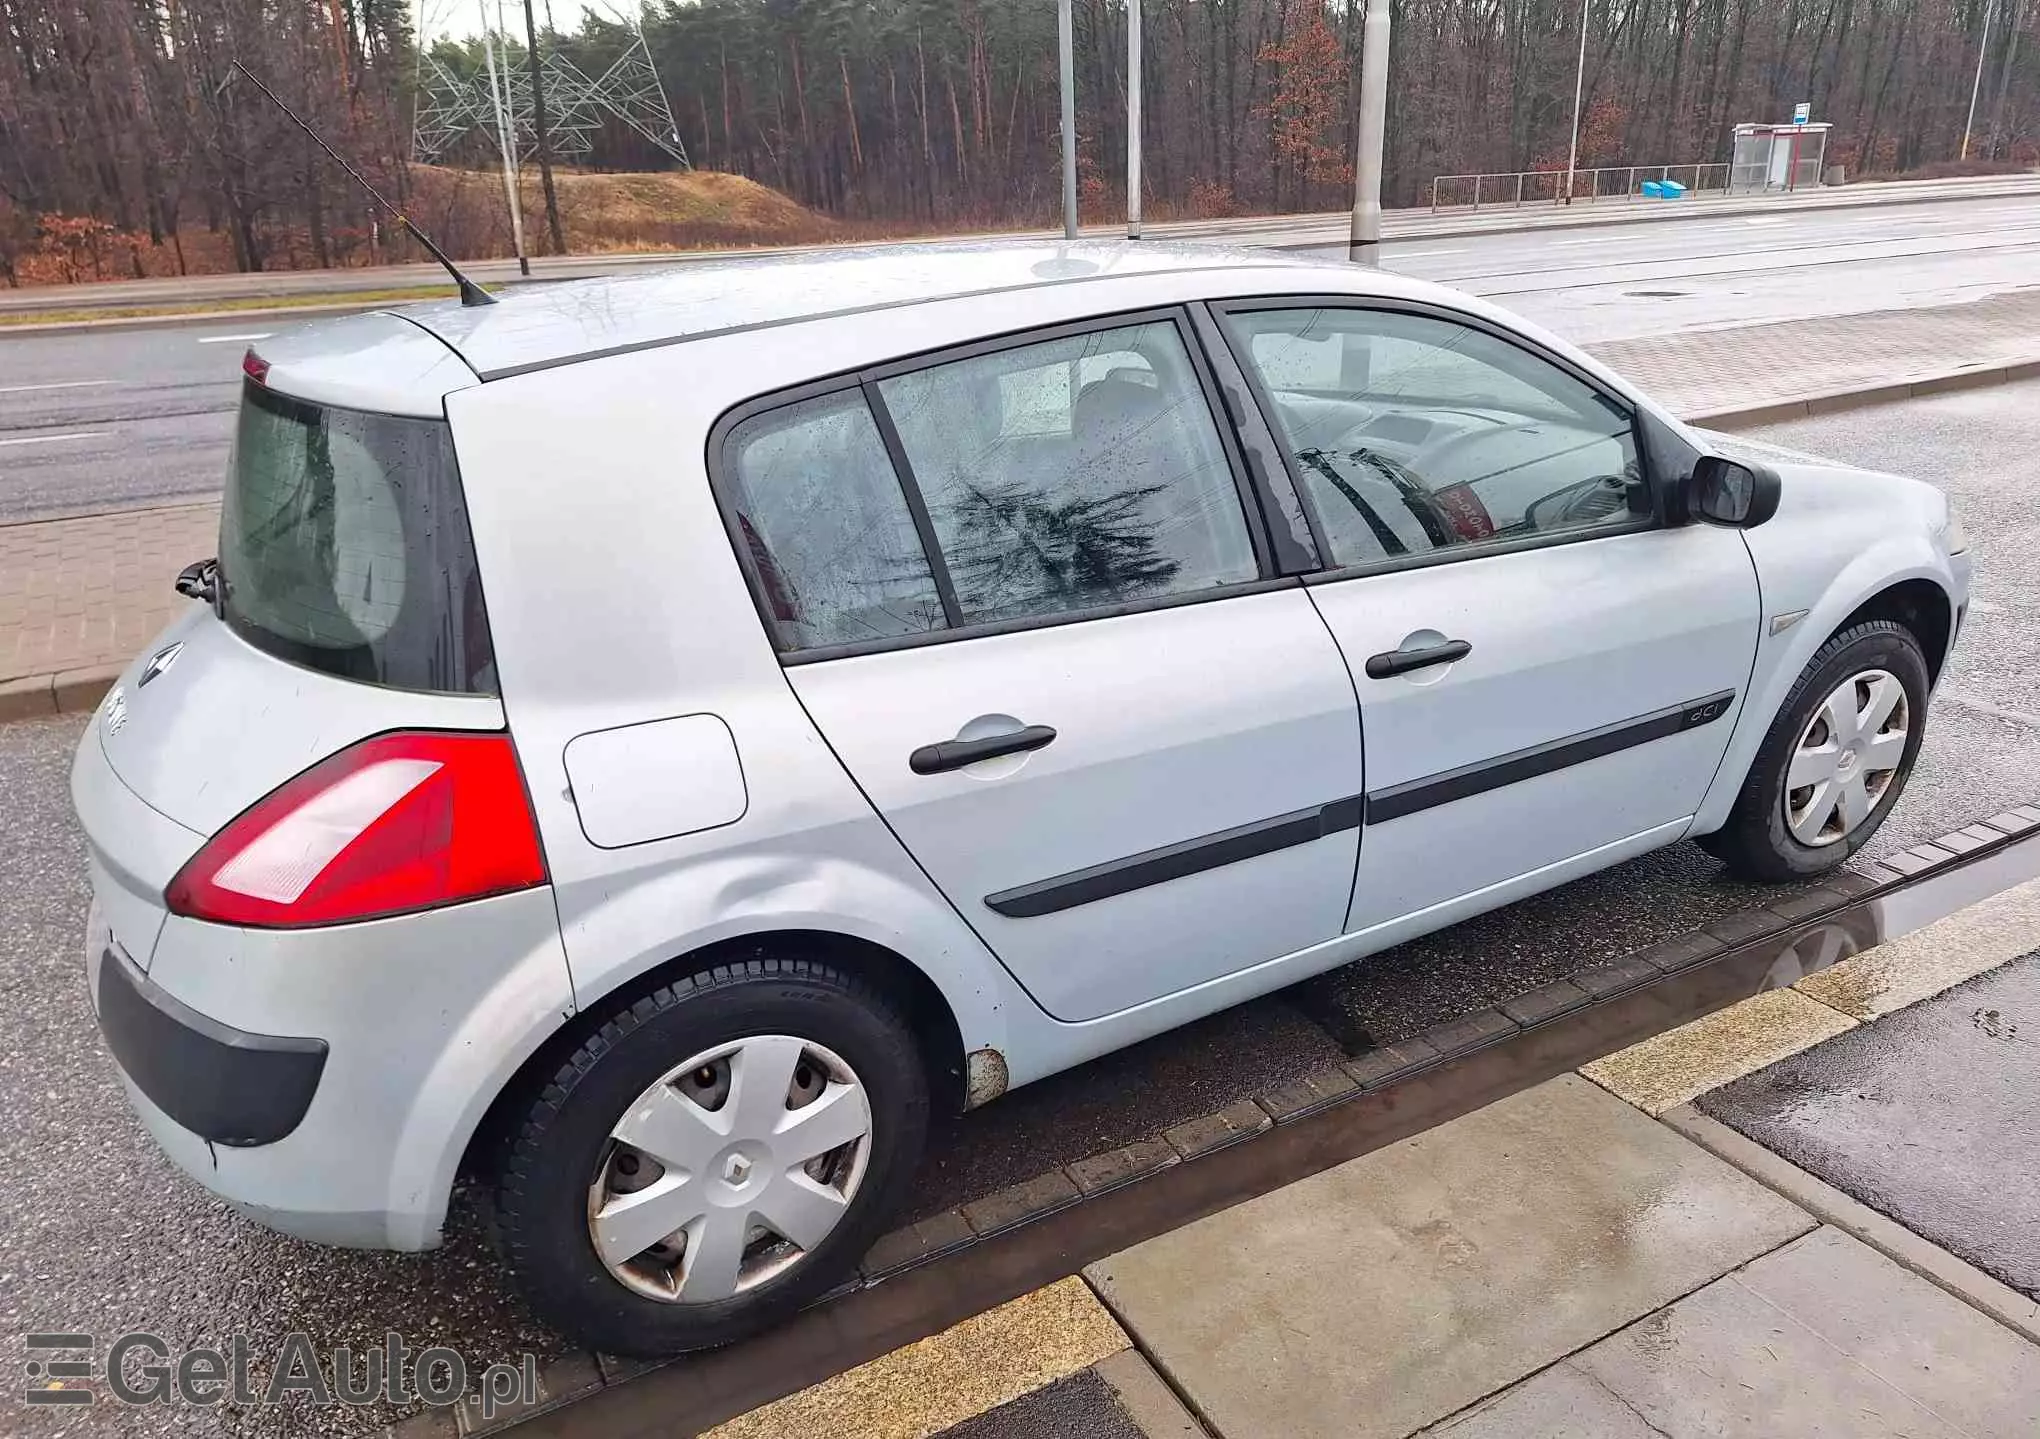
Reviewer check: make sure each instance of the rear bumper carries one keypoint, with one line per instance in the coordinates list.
(223, 1084)
(326, 1082)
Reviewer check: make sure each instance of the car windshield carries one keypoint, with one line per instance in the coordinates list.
(344, 546)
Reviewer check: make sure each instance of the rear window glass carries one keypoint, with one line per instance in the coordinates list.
(344, 546)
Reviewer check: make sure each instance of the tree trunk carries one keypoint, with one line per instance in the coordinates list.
(850, 112)
(545, 175)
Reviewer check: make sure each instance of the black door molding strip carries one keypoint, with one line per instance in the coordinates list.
(1249, 841)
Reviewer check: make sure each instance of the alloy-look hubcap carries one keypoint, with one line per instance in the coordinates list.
(730, 1170)
(1846, 758)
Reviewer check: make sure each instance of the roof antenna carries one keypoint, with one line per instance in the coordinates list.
(470, 292)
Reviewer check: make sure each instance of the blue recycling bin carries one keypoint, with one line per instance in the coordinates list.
(1653, 190)
(1672, 189)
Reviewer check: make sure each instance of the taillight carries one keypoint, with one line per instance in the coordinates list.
(397, 823)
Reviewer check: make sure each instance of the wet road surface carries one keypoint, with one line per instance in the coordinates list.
(100, 1234)
(112, 419)
(1930, 1116)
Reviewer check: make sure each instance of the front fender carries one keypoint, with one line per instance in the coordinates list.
(1829, 582)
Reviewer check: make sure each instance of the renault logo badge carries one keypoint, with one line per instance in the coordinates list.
(159, 662)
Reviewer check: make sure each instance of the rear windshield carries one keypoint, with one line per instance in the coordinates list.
(344, 546)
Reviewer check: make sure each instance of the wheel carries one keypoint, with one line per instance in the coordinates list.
(713, 1157)
(1835, 760)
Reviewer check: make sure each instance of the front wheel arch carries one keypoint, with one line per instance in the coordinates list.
(1922, 607)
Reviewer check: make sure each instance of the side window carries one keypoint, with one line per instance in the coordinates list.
(1073, 473)
(829, 535)
(1410, 434)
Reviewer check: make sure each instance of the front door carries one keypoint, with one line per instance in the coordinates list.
(1029, 613)
(1544, 670)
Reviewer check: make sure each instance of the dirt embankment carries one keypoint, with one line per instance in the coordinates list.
(462, 210)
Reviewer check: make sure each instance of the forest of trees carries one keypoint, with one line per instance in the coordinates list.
(895, 115)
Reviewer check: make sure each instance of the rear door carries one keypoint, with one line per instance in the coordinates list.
(1545, 671)
(1021, 591)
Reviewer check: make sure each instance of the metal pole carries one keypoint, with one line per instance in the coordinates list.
(503, 138)
(1066, 54)
(1364, 245)
(1133, 86)
(1579, 89)
(1981, 51)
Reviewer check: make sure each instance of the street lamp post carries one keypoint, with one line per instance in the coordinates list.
(1364, 245)
(1579, 89)
(1981, 51)
(1066, 48)
(1133, 119)
(503, 138)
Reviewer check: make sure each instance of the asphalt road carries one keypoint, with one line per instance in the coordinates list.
(109, 419)
(101, 1235)
(1931, 1115)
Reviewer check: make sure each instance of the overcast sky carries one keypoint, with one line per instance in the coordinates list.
(459, 18)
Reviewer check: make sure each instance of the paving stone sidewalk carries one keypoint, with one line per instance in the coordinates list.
(80, 595)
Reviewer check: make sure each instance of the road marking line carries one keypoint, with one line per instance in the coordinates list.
(53, 439)
(925, 1387)
(59, 385)
(232, 339)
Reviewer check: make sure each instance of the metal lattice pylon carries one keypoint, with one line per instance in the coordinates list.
(449, 108)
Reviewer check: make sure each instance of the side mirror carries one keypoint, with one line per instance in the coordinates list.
(1731, 492)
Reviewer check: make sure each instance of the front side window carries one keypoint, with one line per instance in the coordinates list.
(824, 521)
(1073, 473)
(1410, 434)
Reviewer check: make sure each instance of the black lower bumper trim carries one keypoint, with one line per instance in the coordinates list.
(220, 1083)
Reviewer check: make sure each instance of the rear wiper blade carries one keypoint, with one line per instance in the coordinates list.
(201, 581)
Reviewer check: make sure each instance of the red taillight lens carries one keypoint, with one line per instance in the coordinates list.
(397, 823)
(255, 368)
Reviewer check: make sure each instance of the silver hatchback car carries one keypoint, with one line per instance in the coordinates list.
(648, 741)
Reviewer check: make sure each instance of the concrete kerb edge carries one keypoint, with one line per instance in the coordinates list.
(1831, 1206)
(1828, 402)
(65, 692)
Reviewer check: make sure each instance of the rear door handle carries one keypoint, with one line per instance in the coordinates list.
(956, 753)
(1390, 663)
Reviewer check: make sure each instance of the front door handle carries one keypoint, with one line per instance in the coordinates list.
(956, 753)
(1390, 663)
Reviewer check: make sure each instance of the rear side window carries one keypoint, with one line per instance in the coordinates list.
(1033, 481)
(1072, 474)
(826, 526)
(344, 546)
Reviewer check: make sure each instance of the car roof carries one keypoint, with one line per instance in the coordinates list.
(538, 326)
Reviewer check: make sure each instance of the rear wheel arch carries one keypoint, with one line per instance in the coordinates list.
(898, 978)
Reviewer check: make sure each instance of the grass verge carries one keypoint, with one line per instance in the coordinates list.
(367, 299)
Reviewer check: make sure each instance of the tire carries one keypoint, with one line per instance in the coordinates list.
(546, 1197)
(1758, 842)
